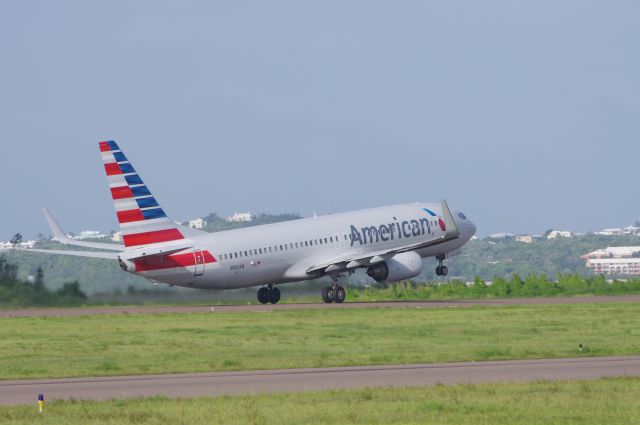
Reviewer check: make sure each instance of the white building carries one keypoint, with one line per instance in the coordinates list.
(615, 231)
(614, 260)
(559, 234)
(246, 216)
(91, 234)
(197, 223)
(117, 237)
(524, 238)
(610, 232)
(501, 235)
(21, 245)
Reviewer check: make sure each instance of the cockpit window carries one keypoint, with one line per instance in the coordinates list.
(462, 216)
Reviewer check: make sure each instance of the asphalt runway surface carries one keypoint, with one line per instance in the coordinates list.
(46, 312)
(267, 381)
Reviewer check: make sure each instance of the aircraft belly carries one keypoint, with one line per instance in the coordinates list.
(176, 276)
(432, 251)
(240, 275)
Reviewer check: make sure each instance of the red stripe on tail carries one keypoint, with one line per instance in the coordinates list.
(152, 237)
(112, 169)
(121, 192)
(129, 216)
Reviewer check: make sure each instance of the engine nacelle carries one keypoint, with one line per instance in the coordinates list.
(401, 266)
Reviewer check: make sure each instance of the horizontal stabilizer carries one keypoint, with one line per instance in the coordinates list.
(90, 254)
(167, 249)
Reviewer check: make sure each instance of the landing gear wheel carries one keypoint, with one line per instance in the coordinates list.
(274, 295)
(441, 270)
(327, 294)
(263, 295)
(339, 294)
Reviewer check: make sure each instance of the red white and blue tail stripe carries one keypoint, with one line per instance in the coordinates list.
(142, 220)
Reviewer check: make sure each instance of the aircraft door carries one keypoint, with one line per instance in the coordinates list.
(198, 269)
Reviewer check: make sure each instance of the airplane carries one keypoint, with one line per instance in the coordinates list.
(388, 242)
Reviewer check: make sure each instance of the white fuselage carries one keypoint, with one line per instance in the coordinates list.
(284, 252)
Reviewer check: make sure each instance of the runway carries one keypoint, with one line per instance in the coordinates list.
(219, 383)
(50, 312)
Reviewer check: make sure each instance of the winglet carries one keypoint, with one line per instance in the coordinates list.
(58, 233)
(452, 231)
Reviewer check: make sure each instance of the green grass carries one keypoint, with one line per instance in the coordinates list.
(604, 401)
(47, 347)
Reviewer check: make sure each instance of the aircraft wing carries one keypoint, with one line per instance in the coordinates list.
(62, 237)
(365, 258)
(92, 254)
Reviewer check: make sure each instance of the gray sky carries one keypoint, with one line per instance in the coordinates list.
(524, 114)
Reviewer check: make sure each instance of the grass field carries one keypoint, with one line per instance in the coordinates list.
(605, 401)
(166, 343)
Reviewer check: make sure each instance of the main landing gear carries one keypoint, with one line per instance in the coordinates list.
(441, 270)
(334, 293)
(268, 294)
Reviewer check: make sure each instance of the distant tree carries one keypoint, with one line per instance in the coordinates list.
(71, 290)
(547, 232)
(16, 239)
(39, 282)
(637, 223)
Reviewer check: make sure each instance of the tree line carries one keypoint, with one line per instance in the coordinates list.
(33, 292)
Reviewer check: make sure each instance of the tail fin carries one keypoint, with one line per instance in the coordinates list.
(141, 219)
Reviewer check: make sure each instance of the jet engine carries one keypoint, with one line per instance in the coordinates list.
(404, 265)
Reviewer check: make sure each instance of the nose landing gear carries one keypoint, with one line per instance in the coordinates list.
(441, 270)
(268, 294)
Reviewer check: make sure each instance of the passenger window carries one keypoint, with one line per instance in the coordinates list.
(325, 240)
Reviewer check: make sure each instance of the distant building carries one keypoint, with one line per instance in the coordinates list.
(559, 234)
(240, 217)
(197, 223)
(117, 237)
(524, 238)
(631, 230)
(23, 245)
(615, 231)
(501, 236)
(610, 232)
(91, 234)
(614, 260)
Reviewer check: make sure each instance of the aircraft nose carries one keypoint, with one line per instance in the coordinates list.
(472, 229)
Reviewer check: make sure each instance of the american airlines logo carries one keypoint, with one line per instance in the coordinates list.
(396, 230)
